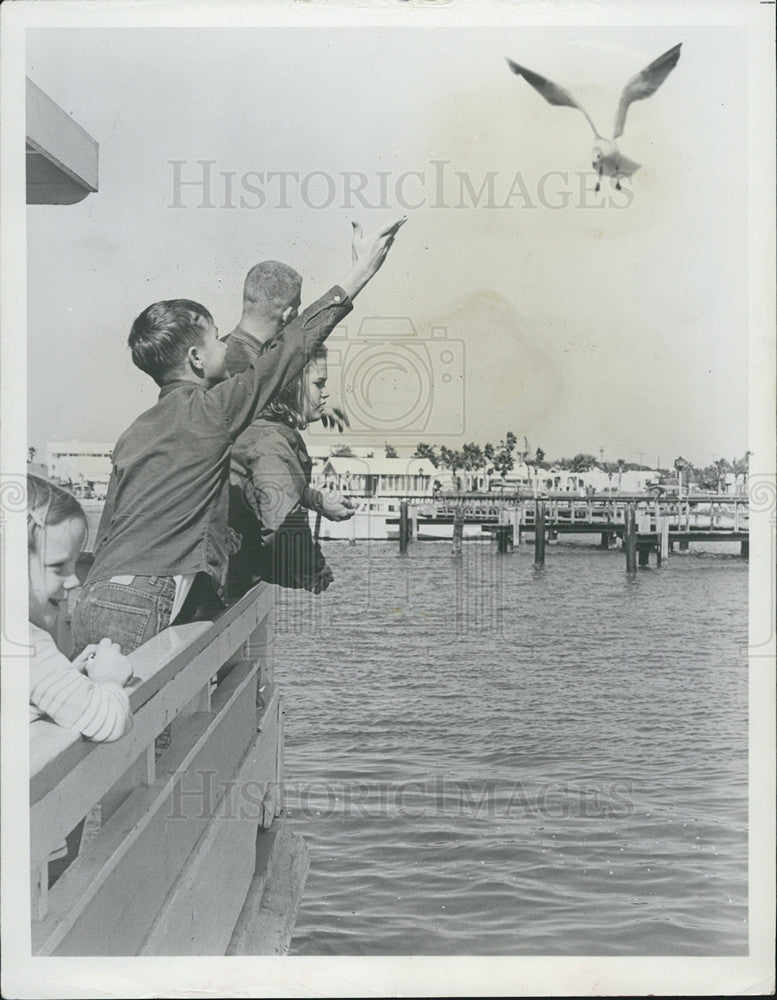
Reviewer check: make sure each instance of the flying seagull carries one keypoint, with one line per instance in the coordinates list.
(607, 158)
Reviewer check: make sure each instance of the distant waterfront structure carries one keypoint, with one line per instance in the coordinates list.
(86, 468)
(84, 464)
(378, 476)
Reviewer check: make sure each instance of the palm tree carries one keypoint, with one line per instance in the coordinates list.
(503, 456)
(32, 451)
(722, 466)
(453, 460)
(741, 467)
(426, 451)
(473, 457)
(582, 463)
(621, 466)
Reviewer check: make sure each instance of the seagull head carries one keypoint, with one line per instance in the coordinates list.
(603, 150)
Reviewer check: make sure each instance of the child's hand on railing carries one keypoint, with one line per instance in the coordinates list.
(107, 664)
(85, 657)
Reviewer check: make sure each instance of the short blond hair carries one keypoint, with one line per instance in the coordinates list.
(271, 287)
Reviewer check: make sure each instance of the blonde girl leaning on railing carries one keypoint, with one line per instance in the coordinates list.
(87, 694)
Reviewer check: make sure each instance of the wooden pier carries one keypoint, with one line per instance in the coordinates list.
(645, 524)
(185, 851)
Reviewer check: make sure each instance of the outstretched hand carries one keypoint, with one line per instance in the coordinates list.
(335, 419)
(321, 580)
(368, 253)
(366, 249)
(335, 506)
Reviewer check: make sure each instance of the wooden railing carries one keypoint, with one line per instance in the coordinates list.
(731, 513)
(181, 842)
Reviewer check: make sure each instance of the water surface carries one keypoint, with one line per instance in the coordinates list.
(488, 759)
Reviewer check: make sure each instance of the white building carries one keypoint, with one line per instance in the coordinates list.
(594, 480)
(80, 463)
(378, 476)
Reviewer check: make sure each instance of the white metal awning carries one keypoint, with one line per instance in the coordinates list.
(61, 157)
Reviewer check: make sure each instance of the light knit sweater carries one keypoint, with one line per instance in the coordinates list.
(60, 692)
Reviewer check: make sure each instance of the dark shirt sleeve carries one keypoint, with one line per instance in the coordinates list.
(255, 383)
(107, 514)
(277, 488)
(273, 489)
(295, 557)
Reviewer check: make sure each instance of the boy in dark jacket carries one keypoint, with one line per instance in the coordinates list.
(163, 543)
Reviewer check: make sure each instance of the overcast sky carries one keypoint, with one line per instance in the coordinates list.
(616, 322)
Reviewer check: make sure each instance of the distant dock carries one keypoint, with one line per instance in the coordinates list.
(642, 524)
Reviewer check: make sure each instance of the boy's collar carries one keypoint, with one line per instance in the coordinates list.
(247, 339)
(176, 383)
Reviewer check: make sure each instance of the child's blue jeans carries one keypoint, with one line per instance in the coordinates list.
(127, 613)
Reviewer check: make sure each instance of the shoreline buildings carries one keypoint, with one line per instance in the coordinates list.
(85, 467)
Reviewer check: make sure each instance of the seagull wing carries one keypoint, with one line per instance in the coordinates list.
(645, 83)
(551, 91)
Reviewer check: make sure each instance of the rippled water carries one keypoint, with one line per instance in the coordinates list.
(487, 759)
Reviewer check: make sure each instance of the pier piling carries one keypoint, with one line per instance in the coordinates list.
(504, 531)
(539, 533)
(458, 531)
(662, 527)
(504, 538)
(630, 539)
(404, 528)
(516, 520)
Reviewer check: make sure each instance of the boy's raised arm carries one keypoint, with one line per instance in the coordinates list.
(287, 354)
